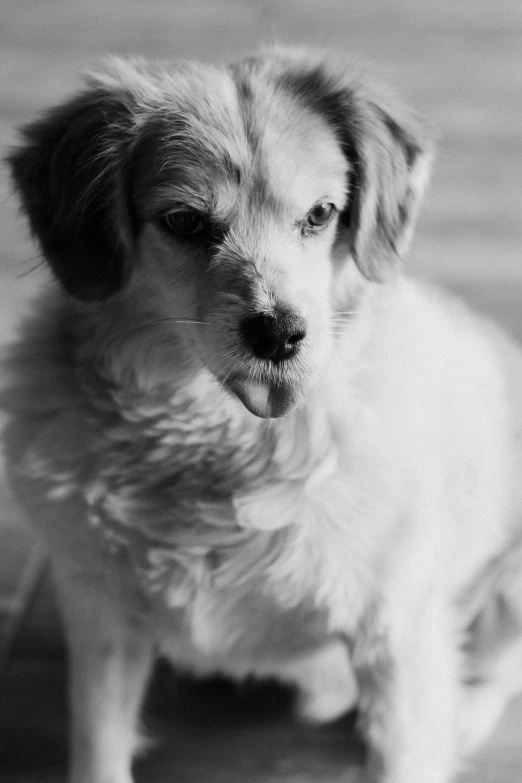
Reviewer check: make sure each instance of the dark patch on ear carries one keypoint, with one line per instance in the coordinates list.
(393, 163)
(383, 144)
(71, 177)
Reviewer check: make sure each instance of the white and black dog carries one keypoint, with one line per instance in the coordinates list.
(249, 440)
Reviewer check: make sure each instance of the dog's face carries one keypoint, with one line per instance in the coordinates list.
(241, 197)
(239, 204)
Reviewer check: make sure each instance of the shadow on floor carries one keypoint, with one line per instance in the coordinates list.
(212, 731)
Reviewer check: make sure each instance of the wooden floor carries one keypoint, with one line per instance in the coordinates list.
(460, 63)
(212, 732)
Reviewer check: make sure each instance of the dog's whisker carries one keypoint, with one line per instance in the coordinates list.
(224, 380)
(177, 321)
(222, 359)
(217, 368)
(39, 263)
(166, 322)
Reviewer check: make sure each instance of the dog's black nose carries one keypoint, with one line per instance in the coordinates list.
(274, 337)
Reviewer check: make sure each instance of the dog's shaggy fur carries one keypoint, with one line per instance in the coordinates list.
(251, 442)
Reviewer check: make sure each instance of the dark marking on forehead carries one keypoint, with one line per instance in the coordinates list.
(241, 76)
(240, 73)
(233, 169)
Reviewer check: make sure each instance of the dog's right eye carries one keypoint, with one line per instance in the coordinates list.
(320, 214)
(184, 222)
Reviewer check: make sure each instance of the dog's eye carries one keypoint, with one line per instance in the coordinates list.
(185, 222)
(320, 214)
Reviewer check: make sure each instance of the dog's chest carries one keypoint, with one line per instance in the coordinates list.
(220, 543)
(200, 512)
(215, 521)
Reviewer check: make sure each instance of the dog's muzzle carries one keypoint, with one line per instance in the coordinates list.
(275, 339)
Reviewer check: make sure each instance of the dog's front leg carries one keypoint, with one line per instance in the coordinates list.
(408, 679)
(110, 657)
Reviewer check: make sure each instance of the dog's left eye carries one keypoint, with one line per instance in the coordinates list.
(185, 222)
(320, 214)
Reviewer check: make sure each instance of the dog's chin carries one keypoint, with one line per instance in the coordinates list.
(264, 399)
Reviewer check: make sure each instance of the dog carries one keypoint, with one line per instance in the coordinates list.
(251, 442)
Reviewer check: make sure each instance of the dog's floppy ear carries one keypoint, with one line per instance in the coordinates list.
(70, 175)
(390, 158)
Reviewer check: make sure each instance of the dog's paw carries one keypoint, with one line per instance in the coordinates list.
(326, 706)
(327, 687)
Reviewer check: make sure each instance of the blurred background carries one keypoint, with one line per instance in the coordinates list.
(459, 62)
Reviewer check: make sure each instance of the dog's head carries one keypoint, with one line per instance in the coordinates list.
(241, 196)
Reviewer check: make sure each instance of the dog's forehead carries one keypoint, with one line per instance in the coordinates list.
(295, 150)
(219, 135)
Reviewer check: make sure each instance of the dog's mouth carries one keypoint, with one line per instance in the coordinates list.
(265, 399)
